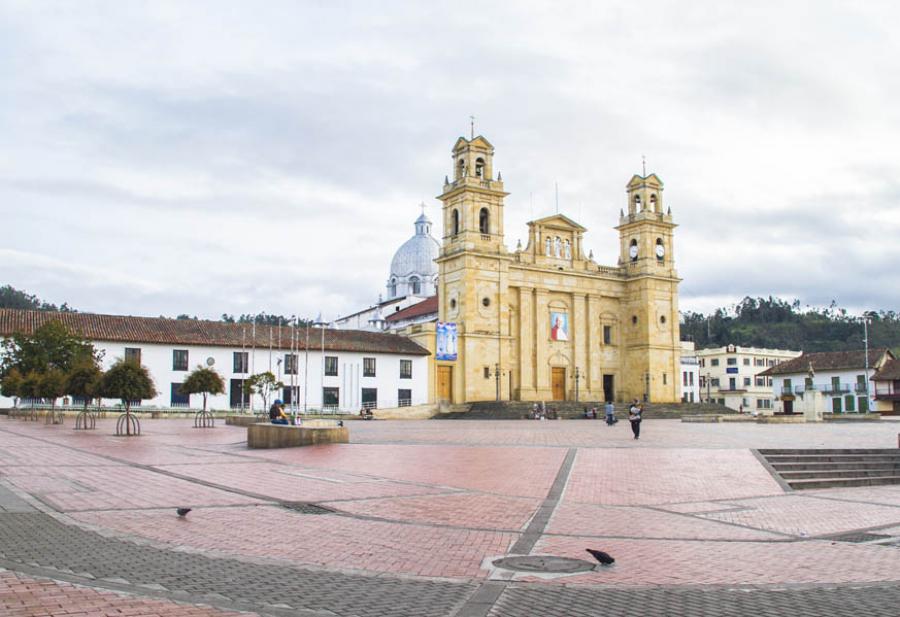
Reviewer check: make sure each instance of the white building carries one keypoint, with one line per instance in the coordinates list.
(885, 388)
(690, 373)
(731, 376)
(837, 378)
(338, 369)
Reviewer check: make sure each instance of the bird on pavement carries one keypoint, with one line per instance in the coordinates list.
(182, 512)
(604, 558)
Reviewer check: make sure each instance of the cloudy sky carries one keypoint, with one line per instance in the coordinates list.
(209, 157)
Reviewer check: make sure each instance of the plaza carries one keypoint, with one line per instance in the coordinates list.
(409, 518)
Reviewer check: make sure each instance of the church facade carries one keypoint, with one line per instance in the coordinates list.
(545, 322)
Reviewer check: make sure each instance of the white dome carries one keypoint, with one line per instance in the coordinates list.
(415, 259)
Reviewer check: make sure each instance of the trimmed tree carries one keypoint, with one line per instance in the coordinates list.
(52, 385)
(30, 386)
(84, 382)
(127, 381)
(203, 381)
(263, 384)
(11, 385)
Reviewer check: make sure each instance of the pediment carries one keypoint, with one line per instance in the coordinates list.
(478, 143)
(558, 221)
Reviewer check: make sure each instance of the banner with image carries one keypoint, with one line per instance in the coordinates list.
(446, 341)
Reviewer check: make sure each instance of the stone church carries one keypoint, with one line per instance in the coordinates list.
(545, 322)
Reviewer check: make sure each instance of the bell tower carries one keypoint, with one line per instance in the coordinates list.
(473, 279)
(650, 305)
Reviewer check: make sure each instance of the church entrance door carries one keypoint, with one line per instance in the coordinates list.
(609, 391)
(558, 383)
(445, 383)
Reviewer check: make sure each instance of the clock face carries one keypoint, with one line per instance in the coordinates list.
(633, 251)
(660, 250)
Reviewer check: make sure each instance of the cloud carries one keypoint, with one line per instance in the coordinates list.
(216, 157)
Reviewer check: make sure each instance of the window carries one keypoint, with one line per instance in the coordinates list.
(177, 398)
(567, 249)
(369, 398)
(653, 205)
(548, 243)
(415, 287)
(691, 382)
(405, 369)
(684, 378)
(133, 354)
(241, 362)
(665, 379)
(487, 372)
(392, 288)
(290, 364)
(368, 367)
(179, 359)
(731, 361)
(759, 362)
(331, 367)
(760, 381)
(702, 362)
(455, 222)
(607, 335)
(714, 382)
(732, 385)
(746, 381)
(460, 168)
(714, 362)
(331, 397)
(746, 361)
(404, 398)
(290, 395)
(236, 398)
(637, 203)
(849, 403)
(633, 250)
(479, 167)
(484, 221)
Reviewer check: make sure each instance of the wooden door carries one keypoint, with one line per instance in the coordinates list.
(558, 383)
(445, 383)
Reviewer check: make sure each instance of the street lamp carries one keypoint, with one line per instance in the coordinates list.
(321, 325)
(707, 387)
(577, 378)
(497, 373)
(865, 319)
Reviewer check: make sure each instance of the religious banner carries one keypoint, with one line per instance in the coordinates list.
(559, 326)
(446, 341)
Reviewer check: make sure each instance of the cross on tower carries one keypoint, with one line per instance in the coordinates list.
(422, 205)
(472, 127)
(644, 165)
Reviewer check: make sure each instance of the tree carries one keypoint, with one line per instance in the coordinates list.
(49, 346)
(13, 298)
(203, 381)
(263, 384)
(127, 381)
(30, 386)
(11, 385)
(51, 385)
(84, 382)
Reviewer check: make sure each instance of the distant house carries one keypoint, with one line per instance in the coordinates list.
(735, 376)
(886, 388)
(838, 376)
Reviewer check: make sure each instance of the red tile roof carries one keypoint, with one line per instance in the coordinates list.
(889, 371)
(425, 307)
(128, 329)
(828, 361)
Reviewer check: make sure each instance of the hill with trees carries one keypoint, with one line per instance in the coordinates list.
(775, 323)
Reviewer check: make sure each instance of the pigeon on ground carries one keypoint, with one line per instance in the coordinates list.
(604, 558)
(182, 512)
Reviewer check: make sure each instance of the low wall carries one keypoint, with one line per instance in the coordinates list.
(265, 435)
(715, 418)
(792, 419)
(413, 412)
(851, 417)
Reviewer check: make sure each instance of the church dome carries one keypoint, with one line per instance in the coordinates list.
(413, 271)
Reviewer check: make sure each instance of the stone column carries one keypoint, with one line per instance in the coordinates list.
(579, 341)
(541, 334)
(526, 343)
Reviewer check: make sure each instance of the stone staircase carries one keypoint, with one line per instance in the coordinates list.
(805, 469)
(569, 410)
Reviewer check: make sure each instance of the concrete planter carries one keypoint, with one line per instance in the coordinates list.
(265, 435)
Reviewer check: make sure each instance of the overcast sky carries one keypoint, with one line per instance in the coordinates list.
(209, 157)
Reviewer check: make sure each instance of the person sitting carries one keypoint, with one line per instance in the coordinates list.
(276, 413)
(366, 414)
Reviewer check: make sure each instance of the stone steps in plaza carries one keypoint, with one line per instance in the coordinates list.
(569, 410)
(835, 468)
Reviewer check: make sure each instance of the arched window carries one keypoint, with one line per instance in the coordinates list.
(479, 167)
(557, 247)
(455, 222)
(460, 168)
(568, 249)
(484, 221)
(633, 250)
(637, 203)
(392, 288)
(653, 202)
(660, 249)
(548, 244)
(415, 288)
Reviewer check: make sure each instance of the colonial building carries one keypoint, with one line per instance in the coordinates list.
(730, 376)
(546, 318)
(828, 382)
(319, 367)
(886, 388)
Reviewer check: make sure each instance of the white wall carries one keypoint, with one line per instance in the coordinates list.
(822, 382)
(158, 360)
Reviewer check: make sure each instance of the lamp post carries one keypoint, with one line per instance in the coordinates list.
(577, 378)
(321, 325)
(647, 387)
(865, 320)
(707, 387)
(497, 372)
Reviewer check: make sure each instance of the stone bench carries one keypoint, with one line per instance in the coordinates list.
(312, 432)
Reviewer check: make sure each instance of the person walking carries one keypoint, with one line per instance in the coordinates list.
(634, 416)
(610, 412)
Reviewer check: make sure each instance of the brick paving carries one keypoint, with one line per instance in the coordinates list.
(695, 522)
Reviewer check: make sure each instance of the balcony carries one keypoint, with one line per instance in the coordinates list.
(861, 388)
(835, 388)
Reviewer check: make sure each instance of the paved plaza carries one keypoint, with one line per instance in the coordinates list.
(409, 517)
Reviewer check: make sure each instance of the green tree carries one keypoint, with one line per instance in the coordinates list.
(84, 381)
(51, 385)
(30, 386)
(11, 385)
(203, 381)
(263, 384)
(128, 382)
(49, 346)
